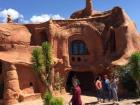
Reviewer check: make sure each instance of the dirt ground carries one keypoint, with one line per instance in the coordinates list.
(87, 100)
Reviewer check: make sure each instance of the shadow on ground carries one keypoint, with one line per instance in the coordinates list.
(92, 103)
(137, 103)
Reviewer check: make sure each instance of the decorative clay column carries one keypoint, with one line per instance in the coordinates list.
(65, 53)
(11, 84)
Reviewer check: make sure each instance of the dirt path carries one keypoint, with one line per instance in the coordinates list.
(33, 102)
(91, 100)
(87, 100)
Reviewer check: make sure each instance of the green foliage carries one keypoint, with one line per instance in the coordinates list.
(47, 53)
(56, 101)
(46, 49)
(135, 69)
(127, 81)
(50, 100)
(38, 60)
(42, 63)
(47, 97)
(135, 65)
(130, 74)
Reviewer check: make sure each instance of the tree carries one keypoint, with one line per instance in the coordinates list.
(42, 63)
(47, 53)
(131, 72)
(134, 64)
(126, 80)
(38, 62)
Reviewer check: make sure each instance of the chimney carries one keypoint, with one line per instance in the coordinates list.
(89, 6)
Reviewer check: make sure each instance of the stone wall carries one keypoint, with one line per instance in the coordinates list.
(29, 80)
(11, 84)
(20, 82)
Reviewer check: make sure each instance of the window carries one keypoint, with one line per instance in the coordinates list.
(78, 48)
(30, 84)
(44, 36)
(73, 58)
(79, 59)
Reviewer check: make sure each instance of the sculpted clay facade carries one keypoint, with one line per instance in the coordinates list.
(87, 45)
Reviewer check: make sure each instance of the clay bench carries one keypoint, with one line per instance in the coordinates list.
(29, 97)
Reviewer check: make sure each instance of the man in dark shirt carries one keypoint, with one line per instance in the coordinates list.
(106, 88)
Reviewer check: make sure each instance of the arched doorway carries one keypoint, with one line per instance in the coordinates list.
(86, 80)
(1, 82)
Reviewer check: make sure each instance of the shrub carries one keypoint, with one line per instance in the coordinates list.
(134, 63)
(126, 79)
(47, 97)
(42, 63)
(129, 83)
(56, 101)
(50, 100)
(37, 60)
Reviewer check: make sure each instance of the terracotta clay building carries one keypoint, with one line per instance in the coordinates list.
(87, 44)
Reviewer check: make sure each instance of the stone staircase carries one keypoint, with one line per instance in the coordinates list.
(33, 102)
(32, 97)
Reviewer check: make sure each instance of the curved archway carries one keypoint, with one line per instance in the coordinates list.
(87, 85)
(92, 39)
(87, 36)
(75, 28)
(88, 31)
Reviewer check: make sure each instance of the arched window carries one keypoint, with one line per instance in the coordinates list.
(78, 47)
(44, 36)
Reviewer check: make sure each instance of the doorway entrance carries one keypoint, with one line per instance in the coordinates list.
(86, 80)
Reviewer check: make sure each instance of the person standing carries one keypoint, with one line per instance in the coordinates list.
(106, 88)
(99, 88)
(75, 78)
(114, 88)
(76, 97)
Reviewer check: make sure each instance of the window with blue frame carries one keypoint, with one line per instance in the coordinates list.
(78, 47)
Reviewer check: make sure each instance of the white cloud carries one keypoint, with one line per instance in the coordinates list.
(18, 17)
(45, 17)
(14, 14)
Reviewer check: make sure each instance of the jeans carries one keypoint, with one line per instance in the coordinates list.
(99, 94)
(114, 93)
(107, 94)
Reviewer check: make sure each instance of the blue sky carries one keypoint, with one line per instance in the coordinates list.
(63, 8)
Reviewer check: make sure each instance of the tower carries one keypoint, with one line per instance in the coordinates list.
(86, 12)
(89, 7)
